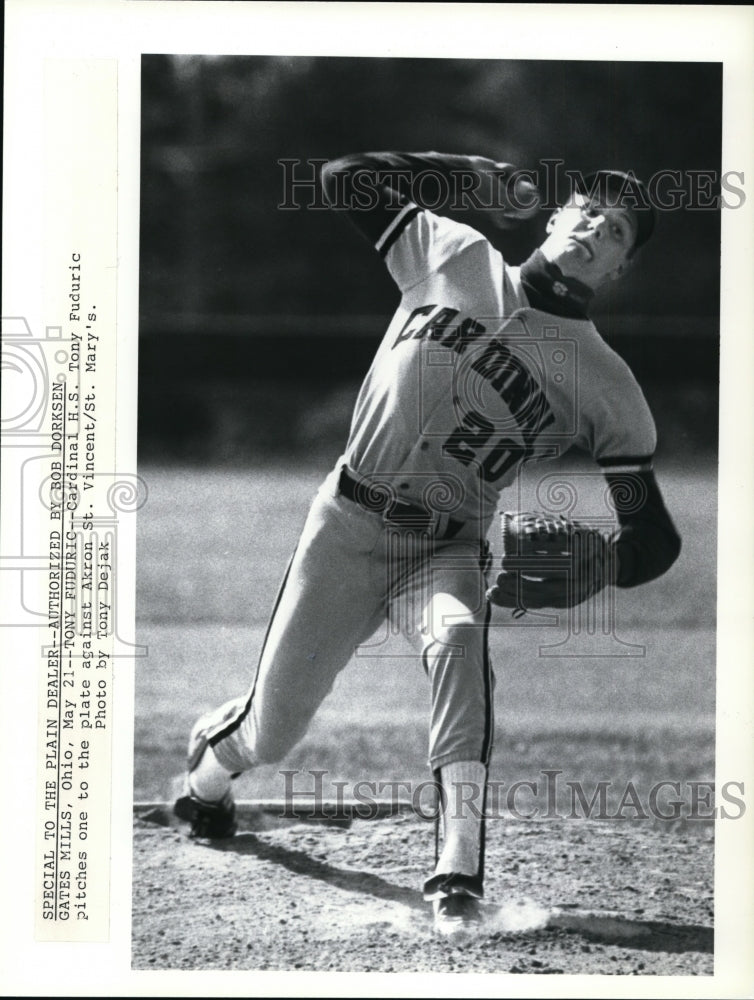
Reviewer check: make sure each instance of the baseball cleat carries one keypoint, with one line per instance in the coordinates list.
(211, 820)
(455, 902)
(456, 914)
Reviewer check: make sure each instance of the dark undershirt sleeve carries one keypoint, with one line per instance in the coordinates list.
(647, 542)
(380, 193)
(372, 207)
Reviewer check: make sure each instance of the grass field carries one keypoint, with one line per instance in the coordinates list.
(212, 546)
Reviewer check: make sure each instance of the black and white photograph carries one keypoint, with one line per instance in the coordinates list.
(428, 398)
(375, 532)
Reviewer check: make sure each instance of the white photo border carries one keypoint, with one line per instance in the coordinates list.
(124, 30)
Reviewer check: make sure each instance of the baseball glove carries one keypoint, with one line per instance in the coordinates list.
(549, 562)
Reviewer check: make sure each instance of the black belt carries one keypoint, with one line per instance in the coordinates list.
(380, 497)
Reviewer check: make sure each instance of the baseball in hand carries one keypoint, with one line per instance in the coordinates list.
(524, 198)
(519, 200)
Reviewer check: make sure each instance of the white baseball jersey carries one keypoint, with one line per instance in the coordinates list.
(469, 381)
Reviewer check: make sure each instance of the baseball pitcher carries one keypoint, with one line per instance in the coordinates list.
(466, 387)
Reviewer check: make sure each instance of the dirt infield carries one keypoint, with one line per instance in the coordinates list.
(587, 896)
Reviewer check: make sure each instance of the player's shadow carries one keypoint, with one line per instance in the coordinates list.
(301, 863)
(604, 928)
(642, 935)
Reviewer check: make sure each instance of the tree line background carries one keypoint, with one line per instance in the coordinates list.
(257, 324)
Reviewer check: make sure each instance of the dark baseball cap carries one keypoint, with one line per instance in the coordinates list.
(614, 187)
